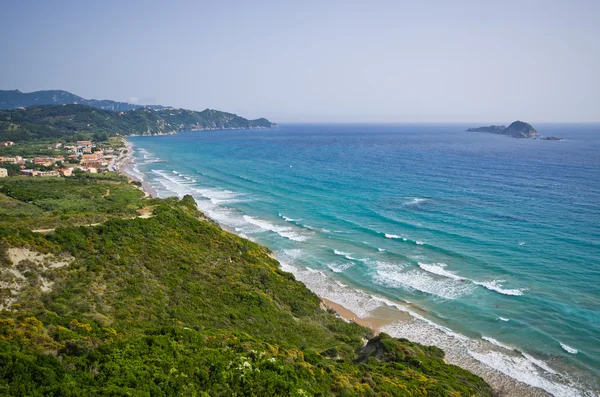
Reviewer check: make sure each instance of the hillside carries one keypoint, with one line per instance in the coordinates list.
(155, 299)
(72, 121)
(10, 99)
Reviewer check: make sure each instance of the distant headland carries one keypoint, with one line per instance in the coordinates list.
(517, 129)
(59, 114)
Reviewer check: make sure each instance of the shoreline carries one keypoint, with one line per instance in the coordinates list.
(126, 160)
(399, 323)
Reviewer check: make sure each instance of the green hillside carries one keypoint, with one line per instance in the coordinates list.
(157, 300)
(82, 121)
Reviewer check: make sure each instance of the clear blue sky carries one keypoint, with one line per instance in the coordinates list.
(326, 60)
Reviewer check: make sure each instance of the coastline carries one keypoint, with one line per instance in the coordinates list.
(122, 167)
(392, 320)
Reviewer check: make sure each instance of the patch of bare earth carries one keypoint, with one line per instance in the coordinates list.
(28, 268)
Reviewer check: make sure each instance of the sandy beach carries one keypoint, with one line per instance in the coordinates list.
(123, 164)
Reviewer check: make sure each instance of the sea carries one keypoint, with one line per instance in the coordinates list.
(484, 245)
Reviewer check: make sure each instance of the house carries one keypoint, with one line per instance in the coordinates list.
(91, 157)
(45, 161)
(66, 171)
(94, 163)
(27, 172)
(11, 160)
(3, 172)
(8, 143)
(46, 173)
(58, 145)
(84, 147)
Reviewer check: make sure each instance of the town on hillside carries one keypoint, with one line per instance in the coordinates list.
(60, 159)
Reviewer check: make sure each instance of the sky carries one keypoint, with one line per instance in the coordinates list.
(316, 61)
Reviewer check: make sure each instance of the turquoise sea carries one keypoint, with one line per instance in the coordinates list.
(485, 245)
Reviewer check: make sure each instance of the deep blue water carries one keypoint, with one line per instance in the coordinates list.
(474, 234)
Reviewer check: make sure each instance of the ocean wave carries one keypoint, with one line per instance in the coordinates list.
(340, 267)
(403, 238)
(283, 231)
(525, 370)
(298, 223)
(345, 255)
(494, 285)
(285, 218)
(419, 317)
(568, 348)
(503, 319)
(415, 201)
(474, 355)
(392, 276)
(381, 249)
(219, 196)
(497, 343)
(394, 236)
(439, 269)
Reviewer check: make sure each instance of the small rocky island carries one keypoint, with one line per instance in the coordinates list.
(518, 129)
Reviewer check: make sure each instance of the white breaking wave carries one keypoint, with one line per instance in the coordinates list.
(218, 196)
(283, 231)
(497, 343)
(472, 354)
(524, 370)
(287, 219)
(391, 276)
(415, 201)
(345, 255)
(568, 348)
(503, 319)
(494, 285)
(381, 249)
(439, 269)
(394, 236)
(339, 267)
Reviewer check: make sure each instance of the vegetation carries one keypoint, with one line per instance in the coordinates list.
(44, 203)
(10, 99)
(80, 122)
(174, 305)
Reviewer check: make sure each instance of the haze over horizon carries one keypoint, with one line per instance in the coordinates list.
(337, 61)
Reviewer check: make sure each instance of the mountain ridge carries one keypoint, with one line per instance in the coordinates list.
(10, 99)
(83, 121)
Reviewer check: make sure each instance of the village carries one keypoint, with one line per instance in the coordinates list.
(84, 156)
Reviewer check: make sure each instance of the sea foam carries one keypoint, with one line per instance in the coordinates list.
(494, 285)
(283, 231)
(568, 348)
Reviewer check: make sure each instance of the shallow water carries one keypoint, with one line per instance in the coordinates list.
(492, 244)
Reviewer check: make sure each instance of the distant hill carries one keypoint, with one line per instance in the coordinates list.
(79, 121)
(517, 129)
(11, 99)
